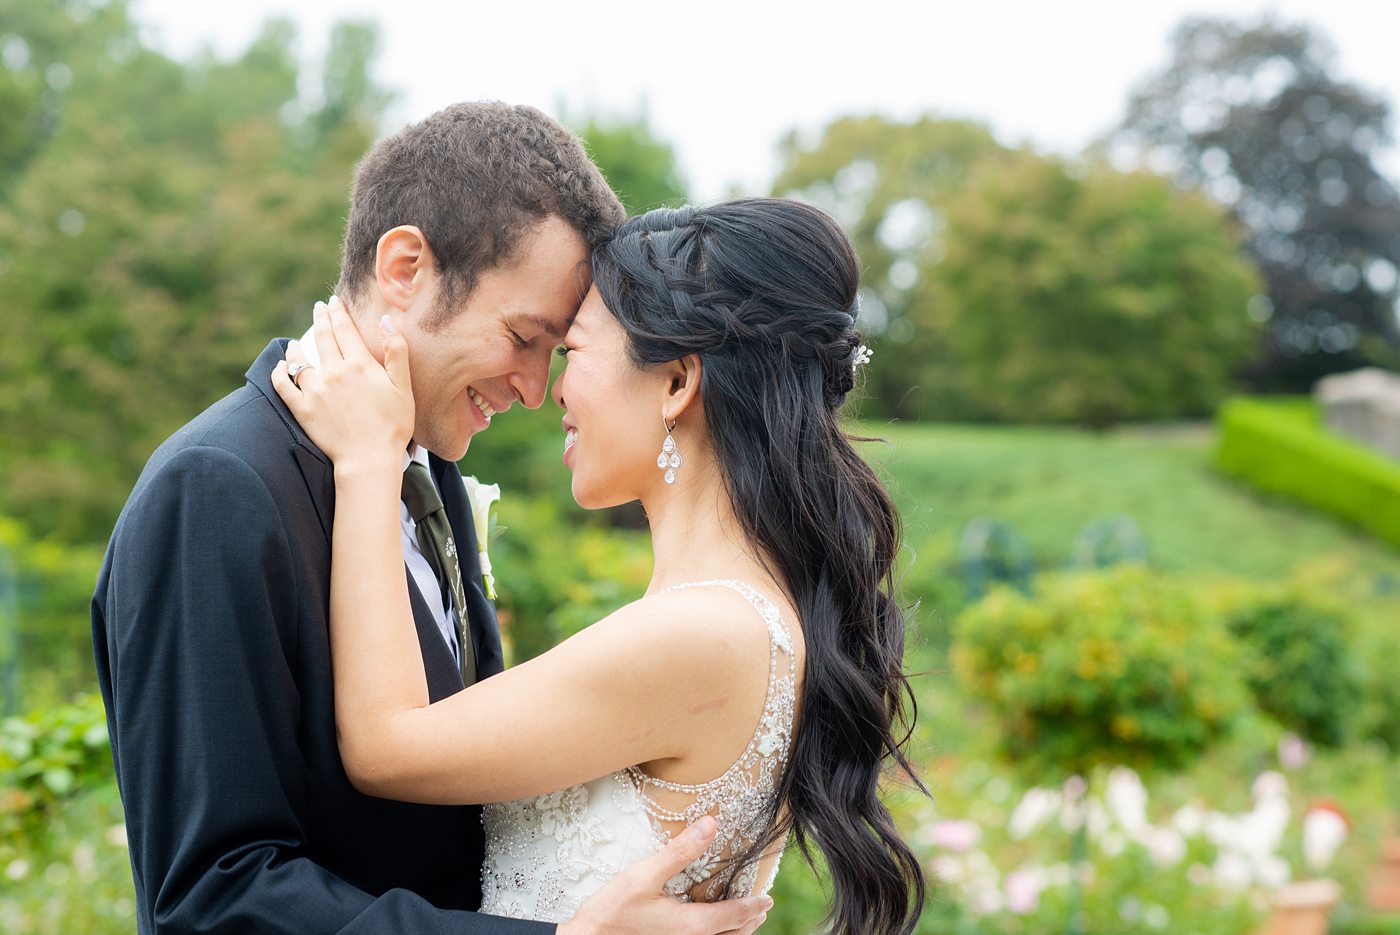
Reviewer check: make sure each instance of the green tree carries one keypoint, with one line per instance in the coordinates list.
(1255, 115)
(176, 217)
(640, 167)
(1075, 293)
(887, 183)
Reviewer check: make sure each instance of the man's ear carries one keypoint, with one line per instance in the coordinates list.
(403, 265)
(682, 386)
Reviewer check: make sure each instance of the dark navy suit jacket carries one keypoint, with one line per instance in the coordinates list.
(210, 631)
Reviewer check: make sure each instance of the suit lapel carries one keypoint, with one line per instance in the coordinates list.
(315, 467)
(441, 669)
(481, 612)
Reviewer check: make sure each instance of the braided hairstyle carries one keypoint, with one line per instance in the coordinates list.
(764, 291)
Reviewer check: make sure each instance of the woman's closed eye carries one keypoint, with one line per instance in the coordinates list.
(562, 351)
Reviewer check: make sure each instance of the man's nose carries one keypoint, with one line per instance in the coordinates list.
(531, 384)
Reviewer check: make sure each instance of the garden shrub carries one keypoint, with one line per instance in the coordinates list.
(1281, 447)
(1120, 666)
(931, 584)
(555, 577)
(1299, 663)
(47, 755)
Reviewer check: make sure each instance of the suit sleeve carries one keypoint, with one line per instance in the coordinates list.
(201, 638)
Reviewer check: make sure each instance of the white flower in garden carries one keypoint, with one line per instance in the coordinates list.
(1272, 871)
(956, 836)
(1036, 807)
(1113, 843)
(985, 902)
(1324, 830)
(1156, 916)
(1270, 784)
(1220, 829)
(18, 869)
(1126, 798)
(1262, 830)
(1232, 871)
(1190, 820)
(1167, 847)
(1198, 874)
(1099, 821)
(948, 869)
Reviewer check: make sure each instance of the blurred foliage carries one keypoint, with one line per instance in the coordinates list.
(886, 182)
(71, 872)
(555, 577)
(1007, 285)
(1121, 666)
(1076, 293)
(1298, 657)
(1281, 447)
(1255, 115)
(164, 221)
(639, 166)
(53, 592)
(45, 756)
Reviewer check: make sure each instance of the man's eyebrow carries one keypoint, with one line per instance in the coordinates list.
(547, 326)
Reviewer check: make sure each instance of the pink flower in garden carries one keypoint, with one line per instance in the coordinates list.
(1293, 751)
(1023, 891)
(956, 836)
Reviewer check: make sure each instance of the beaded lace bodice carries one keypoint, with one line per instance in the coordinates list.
(546, 854)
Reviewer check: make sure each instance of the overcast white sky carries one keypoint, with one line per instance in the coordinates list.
(723, 80)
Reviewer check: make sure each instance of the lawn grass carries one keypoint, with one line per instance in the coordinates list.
(1050, 482)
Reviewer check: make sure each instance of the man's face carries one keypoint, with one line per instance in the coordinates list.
(495, 348)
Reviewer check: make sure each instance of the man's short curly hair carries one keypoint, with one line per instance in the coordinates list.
(475, 178)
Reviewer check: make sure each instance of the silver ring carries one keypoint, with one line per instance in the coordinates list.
(295, 370)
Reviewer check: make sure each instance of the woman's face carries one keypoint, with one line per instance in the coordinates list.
(612, 411)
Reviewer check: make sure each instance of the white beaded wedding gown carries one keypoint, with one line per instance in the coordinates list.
(546, 854)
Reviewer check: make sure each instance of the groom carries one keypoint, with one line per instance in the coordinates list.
(472, 228)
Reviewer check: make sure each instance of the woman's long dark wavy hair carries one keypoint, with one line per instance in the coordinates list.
(764, 291)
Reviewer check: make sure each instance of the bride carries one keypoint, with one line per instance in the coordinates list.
(759, 679)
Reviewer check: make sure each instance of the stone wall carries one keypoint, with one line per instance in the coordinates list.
(1364, 405)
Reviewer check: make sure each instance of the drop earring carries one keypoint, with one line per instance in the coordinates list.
(670, 457)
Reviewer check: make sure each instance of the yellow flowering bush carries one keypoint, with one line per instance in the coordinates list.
(1121, 666)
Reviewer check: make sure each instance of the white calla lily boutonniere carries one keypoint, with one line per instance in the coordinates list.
(482, 497)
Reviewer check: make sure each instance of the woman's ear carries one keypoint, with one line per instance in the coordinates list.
(682, 386)
(403, 264)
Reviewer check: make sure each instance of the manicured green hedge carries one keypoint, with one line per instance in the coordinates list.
(1280, 446)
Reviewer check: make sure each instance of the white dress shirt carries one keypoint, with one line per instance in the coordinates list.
(422, 573)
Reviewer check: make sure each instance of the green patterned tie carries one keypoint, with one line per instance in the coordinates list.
(440, 549)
